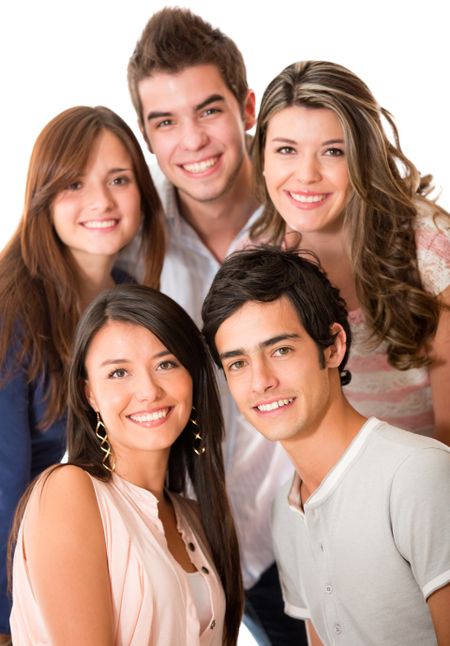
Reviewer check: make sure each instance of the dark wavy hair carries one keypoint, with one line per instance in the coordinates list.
(37, 288)
(388, 193)
(267, 273)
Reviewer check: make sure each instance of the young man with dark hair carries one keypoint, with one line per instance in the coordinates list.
(361, 532)
(188, 84)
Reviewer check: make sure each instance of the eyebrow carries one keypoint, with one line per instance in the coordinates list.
(213, 98)
(263, 344)
(112, 362)
(286, 140)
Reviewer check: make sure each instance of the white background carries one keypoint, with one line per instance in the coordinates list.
(56, 54)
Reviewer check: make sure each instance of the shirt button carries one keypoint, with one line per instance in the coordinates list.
(329, 589)
(212, 624)
(321, 547)
(191, 547)
(337, 629)
(204, 569)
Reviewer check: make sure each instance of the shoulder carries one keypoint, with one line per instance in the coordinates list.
(65, 487)
(432, 230)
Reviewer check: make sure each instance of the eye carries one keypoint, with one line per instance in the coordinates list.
(236, 365)
(281, 352)
(164, 123)
(122, 180)
(74, 186)
(334, 152)
(209, 111)
(118, 373)
(168, 364)
(286, 150)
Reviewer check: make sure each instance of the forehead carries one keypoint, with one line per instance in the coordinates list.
(173, 92)
(255, 322)
(302, 121)
(122, 338)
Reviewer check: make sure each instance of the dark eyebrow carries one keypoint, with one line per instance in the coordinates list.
(264, 344)
(120, 170)
(210, 99)
(112, 362)
(158, 115)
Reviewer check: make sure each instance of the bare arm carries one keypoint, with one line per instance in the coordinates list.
(66, 557)
(440, 373)
(439, 605)
(313, 638)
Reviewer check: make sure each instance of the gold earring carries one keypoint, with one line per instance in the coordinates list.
(104, 444)
(197, 445)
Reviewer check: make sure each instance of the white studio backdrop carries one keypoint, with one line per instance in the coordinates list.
(55, 54)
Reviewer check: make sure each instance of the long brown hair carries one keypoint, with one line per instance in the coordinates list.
(39, 302)
(388, 193)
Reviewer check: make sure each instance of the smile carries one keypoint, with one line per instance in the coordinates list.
(202, 166)
(308, 199)
(99, 224)
(143, 418)
(264, 408)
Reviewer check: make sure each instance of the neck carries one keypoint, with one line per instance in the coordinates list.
(145, 469)
(315, 453)
(93, 276)
(217, 222)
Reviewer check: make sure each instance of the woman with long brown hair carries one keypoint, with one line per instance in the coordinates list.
(88, 193)
(335, 183)
(110, 551)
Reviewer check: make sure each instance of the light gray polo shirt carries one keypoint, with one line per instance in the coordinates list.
(372, 543)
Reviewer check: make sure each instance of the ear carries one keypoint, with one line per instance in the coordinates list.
(249, 110)
(89, 396)
(335, 352)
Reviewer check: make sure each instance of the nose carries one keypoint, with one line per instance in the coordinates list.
(148, 388)
(308, 169)
(99, 198)
(194, 136)
(263, 377)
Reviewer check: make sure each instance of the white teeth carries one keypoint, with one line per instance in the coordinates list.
(150, 417)
(99, 224)
(200, 167)
(307, 199)
(274, 405)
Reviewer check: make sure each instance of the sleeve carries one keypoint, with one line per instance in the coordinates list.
(420, 513)
(433, 252)
(15, 469)
(287, 553)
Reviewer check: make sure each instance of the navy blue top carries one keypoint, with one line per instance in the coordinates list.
(25, 451)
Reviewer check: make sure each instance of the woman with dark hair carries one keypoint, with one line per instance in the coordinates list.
(88, 193)
(330, 174)
(109, 550)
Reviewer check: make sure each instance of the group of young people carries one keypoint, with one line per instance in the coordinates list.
(319, 271)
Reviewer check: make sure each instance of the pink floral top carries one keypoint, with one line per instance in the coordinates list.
(402, 398)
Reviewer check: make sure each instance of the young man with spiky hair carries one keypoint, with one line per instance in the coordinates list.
(188, 84)
(361, 532)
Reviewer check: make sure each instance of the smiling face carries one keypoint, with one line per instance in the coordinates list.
(305, 168)
(274, 371)
(98, 214)
(195, 126)
(143, 393)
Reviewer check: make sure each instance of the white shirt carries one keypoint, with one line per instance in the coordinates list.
(255, 468)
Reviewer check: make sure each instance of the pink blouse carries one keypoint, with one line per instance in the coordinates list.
(151, 596)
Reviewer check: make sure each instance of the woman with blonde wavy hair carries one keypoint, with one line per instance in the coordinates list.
(88, 193)
(335, 183)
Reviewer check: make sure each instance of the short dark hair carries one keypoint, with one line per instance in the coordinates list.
(175, 39)
(267, 273)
